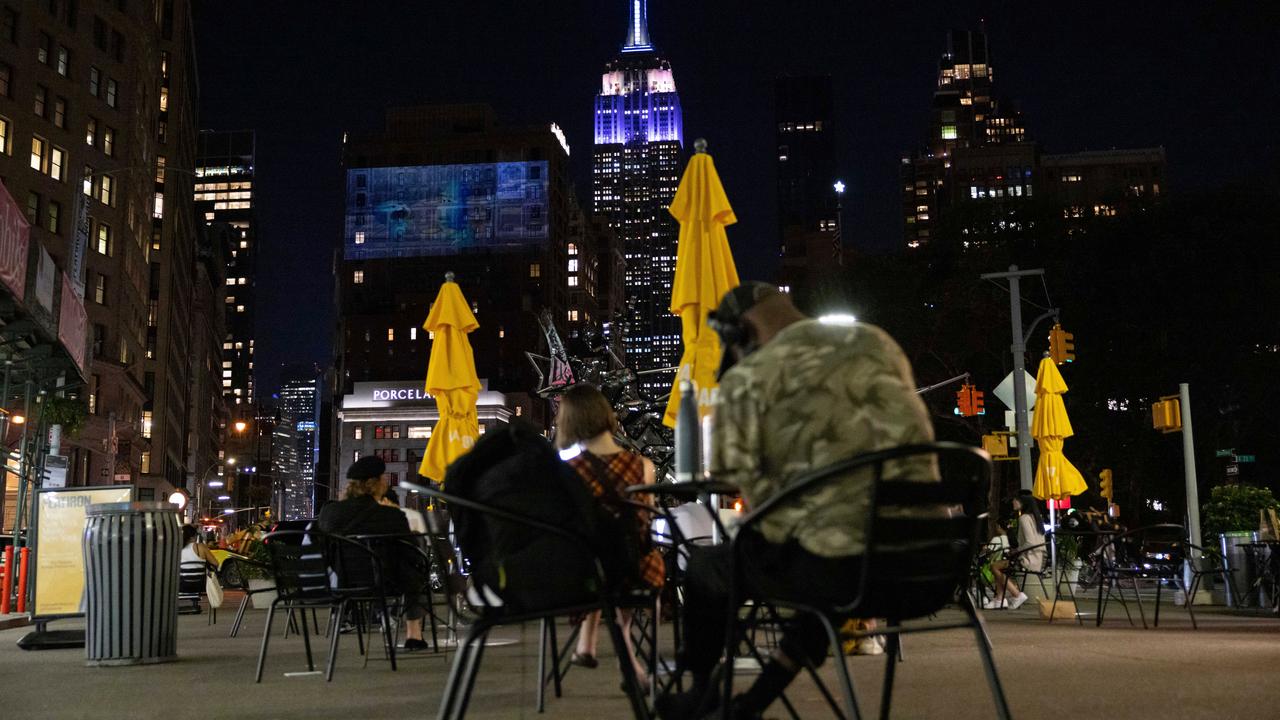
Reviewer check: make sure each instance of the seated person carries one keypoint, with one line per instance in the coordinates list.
(586, 419)
(795, 395)
(1027, 555)
(192, 549)
(361, 512)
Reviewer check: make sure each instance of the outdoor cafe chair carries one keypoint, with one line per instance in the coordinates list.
(1155, 552)
(574, 553)
(249, 592)
(192, 576)
(411, 550)
(1210, 563)
(914, 564)
(301, 562)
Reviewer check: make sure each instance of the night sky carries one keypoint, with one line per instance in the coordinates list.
(1200, 79)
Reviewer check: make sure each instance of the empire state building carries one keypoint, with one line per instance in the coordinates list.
(639, 141)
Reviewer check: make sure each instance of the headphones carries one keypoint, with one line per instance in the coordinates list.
(732, 333)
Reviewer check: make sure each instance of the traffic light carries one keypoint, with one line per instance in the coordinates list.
(964, 401)
(969, 401)
(1062, 345)
(1105, 487)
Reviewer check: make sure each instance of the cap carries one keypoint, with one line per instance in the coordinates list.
(371, 466)
(726, 319)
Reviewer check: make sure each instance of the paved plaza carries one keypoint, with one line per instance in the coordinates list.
(1226, 669)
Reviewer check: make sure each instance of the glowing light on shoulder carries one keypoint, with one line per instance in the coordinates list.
(571, 452)
(841, 319)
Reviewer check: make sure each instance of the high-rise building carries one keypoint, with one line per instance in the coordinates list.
(300, 391)
(636, 166)
(448, 189)
(95, 100)
(811, 250)
(966, 114)
(982, 180)
(209, 419)
(225, 194)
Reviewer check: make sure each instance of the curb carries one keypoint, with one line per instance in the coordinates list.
(15, 622)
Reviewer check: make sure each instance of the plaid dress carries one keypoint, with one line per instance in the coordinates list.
(622, 469)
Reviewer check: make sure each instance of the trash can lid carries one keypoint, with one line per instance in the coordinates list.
(119, 508)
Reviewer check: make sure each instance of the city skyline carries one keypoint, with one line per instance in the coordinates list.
(1135, 95)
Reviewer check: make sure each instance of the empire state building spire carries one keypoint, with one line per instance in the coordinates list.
(638, 28)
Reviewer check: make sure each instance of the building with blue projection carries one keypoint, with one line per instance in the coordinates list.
(639, 141)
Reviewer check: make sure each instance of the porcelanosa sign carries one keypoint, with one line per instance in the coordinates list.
(399, 394)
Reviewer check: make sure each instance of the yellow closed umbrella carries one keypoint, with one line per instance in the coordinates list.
(704, 273)
(1056, 477)
(451, 380)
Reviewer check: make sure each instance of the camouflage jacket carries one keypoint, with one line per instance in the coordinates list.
(814, 395)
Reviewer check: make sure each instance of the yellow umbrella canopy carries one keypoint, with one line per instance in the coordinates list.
(704, 273)
(451, 380)
(1056, 477)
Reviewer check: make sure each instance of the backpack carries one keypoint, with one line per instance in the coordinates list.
(515, 567)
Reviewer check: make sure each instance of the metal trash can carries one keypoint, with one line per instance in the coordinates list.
(131, 553)
(1242, 574)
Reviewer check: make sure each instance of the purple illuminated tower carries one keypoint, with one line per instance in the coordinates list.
(639, 142)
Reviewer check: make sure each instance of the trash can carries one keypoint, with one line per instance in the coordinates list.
(1242, 574)
(131, 555)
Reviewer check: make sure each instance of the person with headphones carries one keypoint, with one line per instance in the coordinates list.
(796, 394)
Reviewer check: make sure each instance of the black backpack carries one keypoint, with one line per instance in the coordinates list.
(517, 469)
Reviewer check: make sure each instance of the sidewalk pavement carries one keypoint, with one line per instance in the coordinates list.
(14, 620)
(1224, 670)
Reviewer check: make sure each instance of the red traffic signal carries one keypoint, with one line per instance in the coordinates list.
(969, 401)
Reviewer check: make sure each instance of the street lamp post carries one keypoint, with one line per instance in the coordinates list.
(837, 245)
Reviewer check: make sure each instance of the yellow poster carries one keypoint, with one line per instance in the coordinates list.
(59, 561)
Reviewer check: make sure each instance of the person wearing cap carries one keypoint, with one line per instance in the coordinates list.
(796, 394)
(361, 512)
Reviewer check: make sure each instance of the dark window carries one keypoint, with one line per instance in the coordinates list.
(60, 112)
(42, 100)
(53, 217)
(64, 61)
(9, 24)
(95, 81)
(99, 343)
(117, 46)
(73, 10)
(99, 33)
(111, 92)
(6, 78)
(33, 208)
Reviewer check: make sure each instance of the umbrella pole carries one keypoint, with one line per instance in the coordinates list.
(1053, 545)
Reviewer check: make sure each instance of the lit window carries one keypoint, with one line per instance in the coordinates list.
(103, 245)
(573, 265)
(573, 249)
(4, 136)
(535, 270)
(358, 433)
(108, 142)
(104, 190)
(111, 92)
(359, 237)
(37, 153)
(357, 277)
(56, 158)
(948, 132)
(391, 334)
(413, 333)
(573, 281)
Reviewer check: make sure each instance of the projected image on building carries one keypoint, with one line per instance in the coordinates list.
(445, 209)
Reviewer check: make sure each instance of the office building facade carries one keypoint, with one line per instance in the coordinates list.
(299, 397)
(447, 189)
(224, 193)
(636, 166)
(95, 100)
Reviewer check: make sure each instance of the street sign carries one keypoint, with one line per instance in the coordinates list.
(1233, 469)
(1225, 453)
(1246, 458)
(1004, 391)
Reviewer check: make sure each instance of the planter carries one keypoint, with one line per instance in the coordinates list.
(1073, 575)
(261, 600)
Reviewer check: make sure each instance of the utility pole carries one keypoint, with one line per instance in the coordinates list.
(1019, 349)
(1189, 463)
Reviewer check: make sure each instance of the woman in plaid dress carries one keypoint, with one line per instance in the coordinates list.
(587, 421)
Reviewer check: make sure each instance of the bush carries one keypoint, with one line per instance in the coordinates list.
(1235, 507)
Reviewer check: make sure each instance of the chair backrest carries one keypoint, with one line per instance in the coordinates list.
(312, 565)
(922, 532)
(1154, 549)
(191, 578)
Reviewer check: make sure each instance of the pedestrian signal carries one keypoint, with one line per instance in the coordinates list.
(1166, 414)
(969, 401)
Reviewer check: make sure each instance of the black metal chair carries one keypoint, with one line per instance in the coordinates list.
(576, 551)
(914, 564)
(301, 563)
(192, 576)
(1210, 563)
(1154, 552)
(247, 598)
(413, 565)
